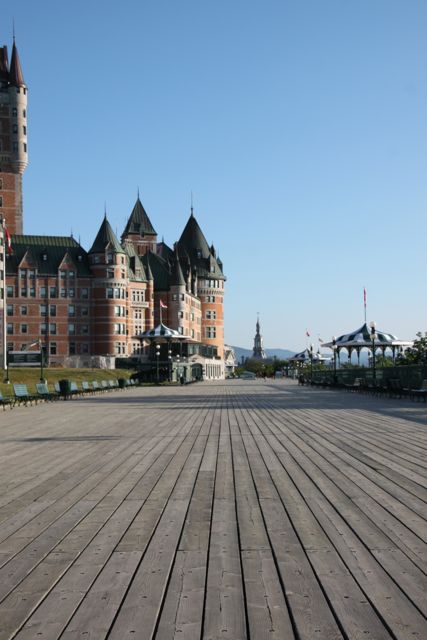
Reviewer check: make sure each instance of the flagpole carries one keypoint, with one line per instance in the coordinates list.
(364, 301)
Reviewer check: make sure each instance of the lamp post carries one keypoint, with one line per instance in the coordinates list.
(311, 363)
(373, 338)
(177, 368)
(41, 362)
(157, 363)
(170, 365)
(334, 348)
(7, 379)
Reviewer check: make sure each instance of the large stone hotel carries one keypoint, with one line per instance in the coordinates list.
(92, 306)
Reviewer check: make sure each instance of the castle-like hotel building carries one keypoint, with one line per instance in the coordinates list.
(88, 304)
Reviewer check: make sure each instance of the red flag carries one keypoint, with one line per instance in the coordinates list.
(8, 239)
(163, 305)
(364, 297)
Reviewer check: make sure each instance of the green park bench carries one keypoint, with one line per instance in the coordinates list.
(22, 396)
(6, 401)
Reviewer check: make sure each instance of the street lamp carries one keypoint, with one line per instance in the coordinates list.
(373, 338)
(334, 348)
(177, 368)
(157, 363)
(42, 380)
(170, 365)
(311, 363)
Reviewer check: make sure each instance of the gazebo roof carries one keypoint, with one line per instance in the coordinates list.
(161, 332)
(304, 356)
(362, 338)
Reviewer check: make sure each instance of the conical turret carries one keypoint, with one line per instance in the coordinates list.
(139, 231)
(16, 77)
(106, 238)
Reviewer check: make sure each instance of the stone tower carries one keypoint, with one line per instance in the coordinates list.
(258, 351)
(13, 138)
(205, 278)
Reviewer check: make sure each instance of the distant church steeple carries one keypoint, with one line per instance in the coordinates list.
(258, 351)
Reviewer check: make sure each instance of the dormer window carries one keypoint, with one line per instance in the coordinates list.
(199, 253)
(109, 258)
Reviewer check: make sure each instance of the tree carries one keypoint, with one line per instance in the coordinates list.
(418, 352)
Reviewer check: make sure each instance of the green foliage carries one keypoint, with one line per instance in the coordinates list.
(417, 354)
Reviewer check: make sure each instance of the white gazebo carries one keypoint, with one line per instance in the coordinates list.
(368, 337)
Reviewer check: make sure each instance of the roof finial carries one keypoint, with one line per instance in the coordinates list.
(105, 209)
(72, 232)
(138, 192)
(13, 29)
(191, 209)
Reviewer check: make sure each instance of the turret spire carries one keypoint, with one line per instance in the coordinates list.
(16, 75)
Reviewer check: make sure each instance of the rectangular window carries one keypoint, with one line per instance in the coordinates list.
(84, 293)
(210, 314)
(85, 347)
(71, 293)
(85, 329)
(23, 292)
(85, 311)
(9, 310)
(52, 348)
(31, 274)
(24, 310)
(32, 292)
(22, 273)
(174, 297)
(1, 201)
(110, 273)
(9, 328)
(52, 309)
(72, 349)
(53, 292)
(71, 329)
(24, 328)
(71, 274)
(43, 309)
(43, 292)
(211, 332)
(63, 292)
(62, 275)
(9, 291)
(52, 328)
(71, 310)
(109, 292)
(43, 328)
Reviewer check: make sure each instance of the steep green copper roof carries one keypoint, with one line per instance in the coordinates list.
(139, 223)
(105, 237)
(193, 244)
(159, 269)
(47, 253)
(177, 277)
(193, 240)
(135, 264)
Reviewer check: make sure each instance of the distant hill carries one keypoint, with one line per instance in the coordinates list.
(282, 354)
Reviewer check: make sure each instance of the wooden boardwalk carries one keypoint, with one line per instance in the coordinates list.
(229, 510)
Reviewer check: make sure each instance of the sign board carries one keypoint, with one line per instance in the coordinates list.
(24, 358)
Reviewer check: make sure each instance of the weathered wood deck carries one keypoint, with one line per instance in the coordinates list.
(227, 510)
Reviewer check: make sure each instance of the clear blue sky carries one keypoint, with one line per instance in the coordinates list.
(300, 126)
